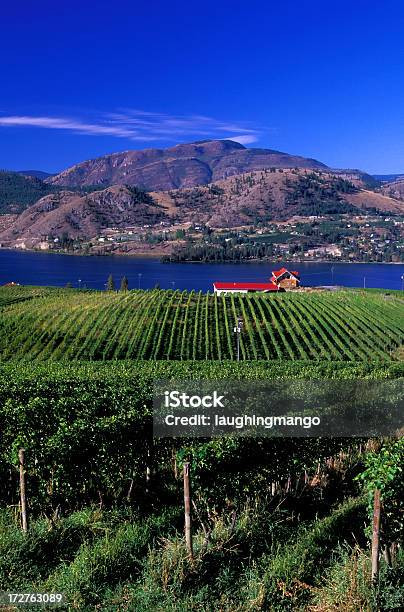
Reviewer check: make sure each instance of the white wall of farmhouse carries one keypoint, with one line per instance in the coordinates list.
(220, 291)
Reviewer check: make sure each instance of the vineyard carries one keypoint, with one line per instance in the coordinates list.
(277, 524)
(66, 324)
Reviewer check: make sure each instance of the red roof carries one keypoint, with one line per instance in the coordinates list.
(281, 272)
(277, 273)
(246, 286)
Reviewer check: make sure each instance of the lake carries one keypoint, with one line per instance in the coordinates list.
(50, 269)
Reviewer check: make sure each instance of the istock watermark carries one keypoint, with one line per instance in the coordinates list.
(175, 399)
(278, 408)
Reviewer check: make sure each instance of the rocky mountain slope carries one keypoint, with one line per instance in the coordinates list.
(185, 165)
(81, 216)
(239, 200)
(274, 195)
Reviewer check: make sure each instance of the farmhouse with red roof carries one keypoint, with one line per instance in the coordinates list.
(280, 281)
(285, 279)
(245, 287)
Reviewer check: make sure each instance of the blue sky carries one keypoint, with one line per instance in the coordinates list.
(320, 79)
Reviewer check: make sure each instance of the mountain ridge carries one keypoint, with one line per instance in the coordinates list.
(240, 200)
(183, 165)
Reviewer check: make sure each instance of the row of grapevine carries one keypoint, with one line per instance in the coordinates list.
(51, 408)
(177, 325)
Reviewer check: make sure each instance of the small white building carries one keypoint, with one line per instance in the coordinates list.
(220, 288)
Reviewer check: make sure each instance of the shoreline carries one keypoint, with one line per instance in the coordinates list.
(89, 255)
(154, 257)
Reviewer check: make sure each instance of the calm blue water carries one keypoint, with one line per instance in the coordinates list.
(57, 270)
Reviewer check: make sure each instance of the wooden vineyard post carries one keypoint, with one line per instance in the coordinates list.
(23, 494)
(187, 509)
(174, 455)
(376, 538)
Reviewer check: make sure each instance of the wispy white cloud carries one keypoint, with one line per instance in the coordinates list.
(61, 123)
(138, 125)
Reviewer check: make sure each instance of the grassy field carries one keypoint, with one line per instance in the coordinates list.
(68, 324)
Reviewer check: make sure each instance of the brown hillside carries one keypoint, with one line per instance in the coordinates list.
(272, 195)
(246, 199)
(185, 165)
(82, 216)
(370, 199)
(394, 189)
